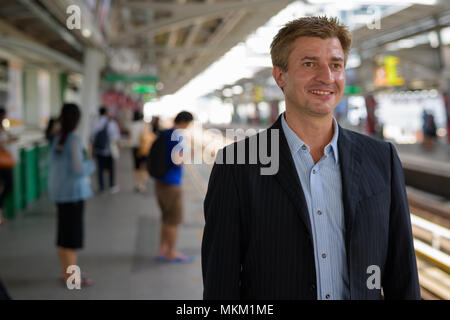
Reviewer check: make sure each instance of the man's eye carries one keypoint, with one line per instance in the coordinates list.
(308, 64)
(337, 66)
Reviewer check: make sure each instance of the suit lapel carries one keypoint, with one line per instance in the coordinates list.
(350, 165)
(288, 178)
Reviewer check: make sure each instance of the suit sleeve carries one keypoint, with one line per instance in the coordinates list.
(221, 265)
(400, 280)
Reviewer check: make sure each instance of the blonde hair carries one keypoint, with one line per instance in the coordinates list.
(321, 27)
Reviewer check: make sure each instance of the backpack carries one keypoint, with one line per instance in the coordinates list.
(101, 140)
(157, 165)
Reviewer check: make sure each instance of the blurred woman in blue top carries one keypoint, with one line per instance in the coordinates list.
(69, 187)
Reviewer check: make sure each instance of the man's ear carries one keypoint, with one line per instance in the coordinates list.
(279, 76)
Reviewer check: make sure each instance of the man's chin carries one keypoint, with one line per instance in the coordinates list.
(321, 111)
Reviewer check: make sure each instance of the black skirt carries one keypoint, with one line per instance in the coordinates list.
(70, 225)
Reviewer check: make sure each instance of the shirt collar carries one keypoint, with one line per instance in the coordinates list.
(295, 143)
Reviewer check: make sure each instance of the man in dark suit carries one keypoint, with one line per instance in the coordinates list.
(332, 221)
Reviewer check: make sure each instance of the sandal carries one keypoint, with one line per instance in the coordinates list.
(182, 258)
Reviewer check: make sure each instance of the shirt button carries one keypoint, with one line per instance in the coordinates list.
(314, 171)
(324, 255)
(327, 296)
(319, 212)
(303, 147)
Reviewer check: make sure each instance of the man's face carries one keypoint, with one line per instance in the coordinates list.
(315, 80)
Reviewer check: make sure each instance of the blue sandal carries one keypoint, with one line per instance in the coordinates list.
(182, 258)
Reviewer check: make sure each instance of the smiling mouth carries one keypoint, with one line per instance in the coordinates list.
(321, 92)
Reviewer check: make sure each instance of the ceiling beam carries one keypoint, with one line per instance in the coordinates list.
(48, 53)
(45, 17)
(231, 20)
(184, 15)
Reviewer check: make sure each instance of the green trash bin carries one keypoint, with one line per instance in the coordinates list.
(42, 149)
(14, 200)
(30, 177)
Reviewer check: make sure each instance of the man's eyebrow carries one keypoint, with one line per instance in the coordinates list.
(317, 58)
(337, 59)
(309, 58)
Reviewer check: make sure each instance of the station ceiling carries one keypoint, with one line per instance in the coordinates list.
(173, 39)
(408, 22)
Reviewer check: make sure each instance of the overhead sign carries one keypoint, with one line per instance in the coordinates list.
(144, 88)
(130, 78)
(386, 73)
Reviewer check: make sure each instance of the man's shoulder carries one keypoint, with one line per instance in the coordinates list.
(366, 142)
(247, 137)
(372, 153)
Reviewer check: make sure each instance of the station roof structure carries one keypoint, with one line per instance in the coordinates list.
(174, 40)
(407, 22)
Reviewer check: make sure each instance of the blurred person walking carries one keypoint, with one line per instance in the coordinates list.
(141, 138)
(371, 120)
(169, 192)
(7, 161)
(105, 137)
(69, 187)
(429, 132)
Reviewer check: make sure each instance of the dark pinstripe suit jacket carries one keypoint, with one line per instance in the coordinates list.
(257, 240)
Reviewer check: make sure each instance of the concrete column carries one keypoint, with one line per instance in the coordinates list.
(31, 112)
(55, 94)
(90, 90)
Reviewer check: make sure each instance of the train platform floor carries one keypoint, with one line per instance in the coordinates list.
(438, 158)
(121, 240)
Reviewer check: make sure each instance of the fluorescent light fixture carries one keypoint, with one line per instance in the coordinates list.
(445, 36)
(6, 124)
(86, 33)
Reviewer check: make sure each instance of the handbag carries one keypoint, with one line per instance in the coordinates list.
(6, 159)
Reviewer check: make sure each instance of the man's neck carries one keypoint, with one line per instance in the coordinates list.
(316, 132)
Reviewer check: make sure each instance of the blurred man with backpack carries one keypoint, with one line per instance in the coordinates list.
(105, 137)
(168, 189)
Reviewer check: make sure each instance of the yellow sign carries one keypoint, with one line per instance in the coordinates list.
(386, 74)
(258, 93)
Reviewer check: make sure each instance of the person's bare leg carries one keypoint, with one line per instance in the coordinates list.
(163, 246)
(172, 233)
(144, 178)
(137, 178)
(67, 257)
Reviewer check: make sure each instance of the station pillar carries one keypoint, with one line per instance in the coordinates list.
(31, 114)
(94, 61)
(55, 94)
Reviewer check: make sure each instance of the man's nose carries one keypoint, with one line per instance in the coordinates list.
(324, 74)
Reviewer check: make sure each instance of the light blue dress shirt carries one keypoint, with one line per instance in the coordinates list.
(69, 171)
(322, 187)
